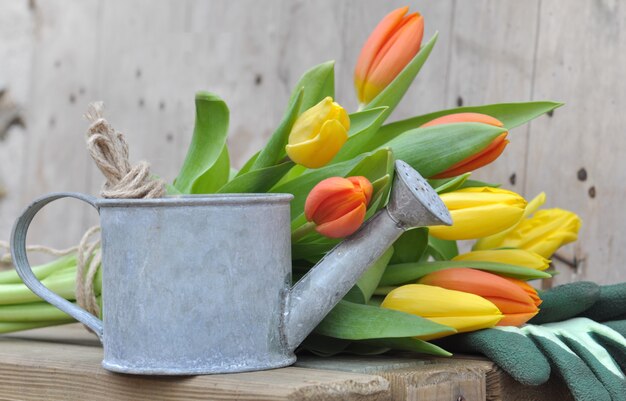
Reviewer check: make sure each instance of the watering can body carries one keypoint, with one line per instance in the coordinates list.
(202, 284)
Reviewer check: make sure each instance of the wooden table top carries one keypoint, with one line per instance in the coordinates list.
(63, 363)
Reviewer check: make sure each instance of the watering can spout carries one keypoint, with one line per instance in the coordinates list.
(413, 203)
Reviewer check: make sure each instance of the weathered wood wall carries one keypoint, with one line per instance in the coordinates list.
(146, 60)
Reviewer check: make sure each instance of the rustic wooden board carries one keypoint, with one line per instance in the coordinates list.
(59, 55)
(64, 363)
(48, 366)
(492, 60)
(583, 68)
(415, 378)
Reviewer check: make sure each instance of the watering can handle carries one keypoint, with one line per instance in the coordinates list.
(18, 250)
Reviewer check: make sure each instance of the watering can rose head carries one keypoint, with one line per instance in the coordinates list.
(390, 47)
(478, 212)
(318, 134)
(337, 205)
(480, 159)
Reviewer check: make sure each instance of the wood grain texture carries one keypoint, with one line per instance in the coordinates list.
(415, 378)
(48, 366)
(583, 68)
(492, 59)
(59, 55)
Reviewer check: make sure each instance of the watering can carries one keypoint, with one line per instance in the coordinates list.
(202, 284)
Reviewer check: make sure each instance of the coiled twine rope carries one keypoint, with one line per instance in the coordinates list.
(109, 150)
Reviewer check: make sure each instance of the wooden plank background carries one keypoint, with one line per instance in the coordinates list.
(147, 60)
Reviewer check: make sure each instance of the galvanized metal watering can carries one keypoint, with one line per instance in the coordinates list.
(202, 284)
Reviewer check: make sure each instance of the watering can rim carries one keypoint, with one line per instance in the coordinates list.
(200, 199)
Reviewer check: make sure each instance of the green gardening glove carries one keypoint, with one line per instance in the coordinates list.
(611, 304)
(588, 356)
(566, 301)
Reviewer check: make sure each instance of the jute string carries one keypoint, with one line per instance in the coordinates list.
(109, 150)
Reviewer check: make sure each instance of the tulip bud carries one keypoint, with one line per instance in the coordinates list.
(337, 205)
(318, 134)
(518, 257)
(461, 310)
(543, 233)
(495, 241)
(478, 212)
(391, 46)
(480, 159)
(511, 299)
(530, 290)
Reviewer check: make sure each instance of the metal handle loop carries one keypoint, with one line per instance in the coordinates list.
(20, 259)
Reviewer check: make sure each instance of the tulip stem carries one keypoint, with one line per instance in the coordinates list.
(302, 231)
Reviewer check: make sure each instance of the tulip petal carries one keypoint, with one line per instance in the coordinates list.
(374, 43)
(532, 292)
(477, 222)
(317, 152)
(309, 123)
(338, 205)
(495, 241)
(480, 159)
(324, 189)
(394, 56)
(487, 285)
(464, 323)
(365, 186)
(516, 319)
(343, 226)
(518, 257)
(464, 118)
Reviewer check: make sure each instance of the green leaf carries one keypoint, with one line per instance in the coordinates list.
(318, 82)
(363, 125)
(362, 291)
(275, 148)
(248, 164)
(442, 249)
(324, 346)
(257, 181)
(511, 114)
(411, 272)
(308, 250)
(350, 321)
(432, 150)
(448, 184)
(394, 92)
(203, 170)
(410, 246)
(475, 183)
(409, 344)
(371, 165)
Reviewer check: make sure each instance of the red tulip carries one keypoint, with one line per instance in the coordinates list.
(514, 302)
(480, 159)
(390, 47)
(337, 205)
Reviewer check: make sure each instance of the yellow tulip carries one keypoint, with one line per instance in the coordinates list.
(318, 134)
(460, 310)
(544, 233)
(479, 212)
(518, 257)
(495, 241)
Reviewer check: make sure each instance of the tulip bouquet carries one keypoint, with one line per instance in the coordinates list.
(339, 167)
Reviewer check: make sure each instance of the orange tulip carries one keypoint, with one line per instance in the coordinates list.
(532, 293)
(390, 47)
(515, 303)
(337, 205)
(480, 159)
